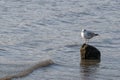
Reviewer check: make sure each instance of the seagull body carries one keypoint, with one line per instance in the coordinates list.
(85, 34)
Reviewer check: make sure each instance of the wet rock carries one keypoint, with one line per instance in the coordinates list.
(89, 62)
(89, 52)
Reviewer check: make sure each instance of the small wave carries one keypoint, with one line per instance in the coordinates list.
(29, 70)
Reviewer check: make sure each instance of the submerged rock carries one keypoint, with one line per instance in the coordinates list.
(26, 72)
(89, 52)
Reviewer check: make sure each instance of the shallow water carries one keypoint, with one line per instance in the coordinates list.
(31, 30)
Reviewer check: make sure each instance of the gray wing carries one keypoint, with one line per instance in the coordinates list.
(90, 34)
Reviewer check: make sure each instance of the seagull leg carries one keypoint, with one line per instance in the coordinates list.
(88, 40)
(85, 41)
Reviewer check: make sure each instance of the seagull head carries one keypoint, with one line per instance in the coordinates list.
(83, 30)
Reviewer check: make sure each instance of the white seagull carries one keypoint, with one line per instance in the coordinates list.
(85, 34)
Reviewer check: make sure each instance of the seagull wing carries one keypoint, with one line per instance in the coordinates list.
(90, 34)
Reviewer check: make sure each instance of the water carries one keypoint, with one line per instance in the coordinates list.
(31, 30)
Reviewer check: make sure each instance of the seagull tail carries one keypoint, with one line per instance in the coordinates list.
(96, 34)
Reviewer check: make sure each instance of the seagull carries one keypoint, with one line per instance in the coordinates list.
(85, 34)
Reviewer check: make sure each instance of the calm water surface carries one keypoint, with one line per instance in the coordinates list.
(32, 30)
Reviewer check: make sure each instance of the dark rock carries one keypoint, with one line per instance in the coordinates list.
(89, 52)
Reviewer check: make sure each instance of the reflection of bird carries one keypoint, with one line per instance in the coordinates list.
(87, 35)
